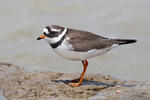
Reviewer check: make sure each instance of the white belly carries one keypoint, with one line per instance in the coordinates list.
(72, 55)
(66, 50)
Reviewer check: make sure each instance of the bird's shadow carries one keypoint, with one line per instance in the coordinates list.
(89, 82)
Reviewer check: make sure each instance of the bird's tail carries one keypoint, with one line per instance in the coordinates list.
(123, 41)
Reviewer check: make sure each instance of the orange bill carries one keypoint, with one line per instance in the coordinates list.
(41, 37)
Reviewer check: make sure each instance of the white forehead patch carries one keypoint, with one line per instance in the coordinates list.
(45, 30)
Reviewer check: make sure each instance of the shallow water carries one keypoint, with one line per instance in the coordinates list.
(21, 22)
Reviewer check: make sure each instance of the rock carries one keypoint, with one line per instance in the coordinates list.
(19, 84)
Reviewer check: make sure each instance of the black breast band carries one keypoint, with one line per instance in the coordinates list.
(55, 45)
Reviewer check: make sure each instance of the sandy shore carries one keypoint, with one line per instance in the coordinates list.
(19, 84)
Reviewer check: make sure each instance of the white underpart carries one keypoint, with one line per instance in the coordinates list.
(66, 50)
(45, 30)
(65, 45)
(58, 38)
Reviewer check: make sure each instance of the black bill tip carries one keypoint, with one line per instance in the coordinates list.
(38, 38)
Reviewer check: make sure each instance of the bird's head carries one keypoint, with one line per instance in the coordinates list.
(52, 33)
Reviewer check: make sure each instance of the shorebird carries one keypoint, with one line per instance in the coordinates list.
(79, 45)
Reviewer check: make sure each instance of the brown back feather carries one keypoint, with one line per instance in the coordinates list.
(85, 41)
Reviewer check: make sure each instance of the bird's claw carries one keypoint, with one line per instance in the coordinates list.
(75, 84)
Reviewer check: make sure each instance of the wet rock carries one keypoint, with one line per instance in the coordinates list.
(19, 84)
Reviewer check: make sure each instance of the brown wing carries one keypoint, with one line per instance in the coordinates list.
(85, 41)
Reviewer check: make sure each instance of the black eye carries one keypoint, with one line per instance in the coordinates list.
(44, 33)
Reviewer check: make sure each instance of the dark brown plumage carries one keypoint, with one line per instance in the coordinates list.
(83, 41)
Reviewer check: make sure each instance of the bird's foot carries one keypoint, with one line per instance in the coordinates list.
(75, 84)
(75, 80)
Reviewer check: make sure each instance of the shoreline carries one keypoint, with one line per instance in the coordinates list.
(17, 83)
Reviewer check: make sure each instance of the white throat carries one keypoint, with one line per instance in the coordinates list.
(58, 38)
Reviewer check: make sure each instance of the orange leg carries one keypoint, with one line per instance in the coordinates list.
(85, 64)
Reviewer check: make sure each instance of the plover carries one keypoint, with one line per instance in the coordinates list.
(79, 45)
